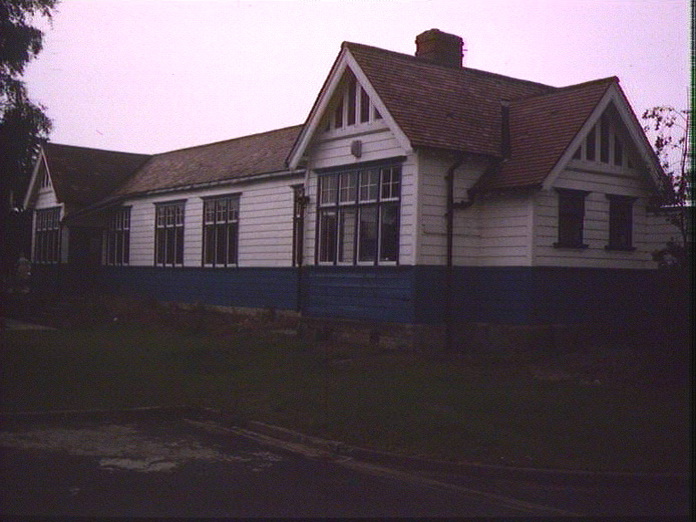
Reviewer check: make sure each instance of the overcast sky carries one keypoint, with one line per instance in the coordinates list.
(156, 75)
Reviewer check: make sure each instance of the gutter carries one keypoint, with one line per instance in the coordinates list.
(115, 200)
(208, 184)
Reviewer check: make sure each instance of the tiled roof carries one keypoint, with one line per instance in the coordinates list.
(82, 176)
(541, 129)
(455, 108)
(221, 161)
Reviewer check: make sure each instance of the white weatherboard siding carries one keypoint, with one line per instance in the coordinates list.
(265, 223)
(142, 232)
(432, 210)
(332, 149)
(596, 225)
(505, 227)
(658, 231)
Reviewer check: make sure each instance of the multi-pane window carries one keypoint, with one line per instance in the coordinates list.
(169, 233)
(220, 230)
(620, 222)
(117, 238)
(358, 216)
(571, 217)
(47, 236)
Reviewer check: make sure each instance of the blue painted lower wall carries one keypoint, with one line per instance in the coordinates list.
(552, 295)
(239, 287)
(403, 294)
(362, 293)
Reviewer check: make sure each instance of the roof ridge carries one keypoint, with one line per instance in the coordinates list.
(202, 145)
(608, 79)
(462, 69)
(96, 149)
(561, 90)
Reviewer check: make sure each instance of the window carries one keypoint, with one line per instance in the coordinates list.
(620, 223)
(117, 238)
(358, 216)
(47, 236)
(220, 230)
(571, 215)
(169, 234)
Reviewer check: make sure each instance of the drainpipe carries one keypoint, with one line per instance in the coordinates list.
(496, 164)
(300, 201)
(449, 312)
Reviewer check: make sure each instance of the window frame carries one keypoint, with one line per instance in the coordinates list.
(359, 215)
(170, 218)
(47, 236)
(117, 238)
(620, 223)
(571, 218)
(225, 222)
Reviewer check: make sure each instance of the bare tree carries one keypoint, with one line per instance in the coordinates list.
(669, 128)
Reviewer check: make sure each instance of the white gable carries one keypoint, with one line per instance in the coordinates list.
(346, 102)
(40, 182)
(611, 121)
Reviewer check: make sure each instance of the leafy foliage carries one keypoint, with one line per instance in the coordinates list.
(23, 124)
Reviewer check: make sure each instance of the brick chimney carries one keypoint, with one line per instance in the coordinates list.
(441, 48)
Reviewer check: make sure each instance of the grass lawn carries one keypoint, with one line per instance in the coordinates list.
(383, 400)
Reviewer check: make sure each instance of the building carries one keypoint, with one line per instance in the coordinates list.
(419, 197)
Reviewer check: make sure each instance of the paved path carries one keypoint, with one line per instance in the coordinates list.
(169, 467)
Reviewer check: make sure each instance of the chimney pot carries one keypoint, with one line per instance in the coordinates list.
(440, 48)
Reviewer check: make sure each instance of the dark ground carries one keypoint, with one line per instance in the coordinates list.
(166, 466)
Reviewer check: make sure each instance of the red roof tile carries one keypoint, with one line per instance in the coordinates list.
(455, 108)
(541, 129)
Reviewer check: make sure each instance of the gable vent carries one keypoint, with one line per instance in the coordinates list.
(440, 48)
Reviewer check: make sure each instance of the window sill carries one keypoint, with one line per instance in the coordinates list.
(572, 247)
(619, 248)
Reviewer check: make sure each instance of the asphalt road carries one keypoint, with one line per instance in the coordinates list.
(171, 467)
